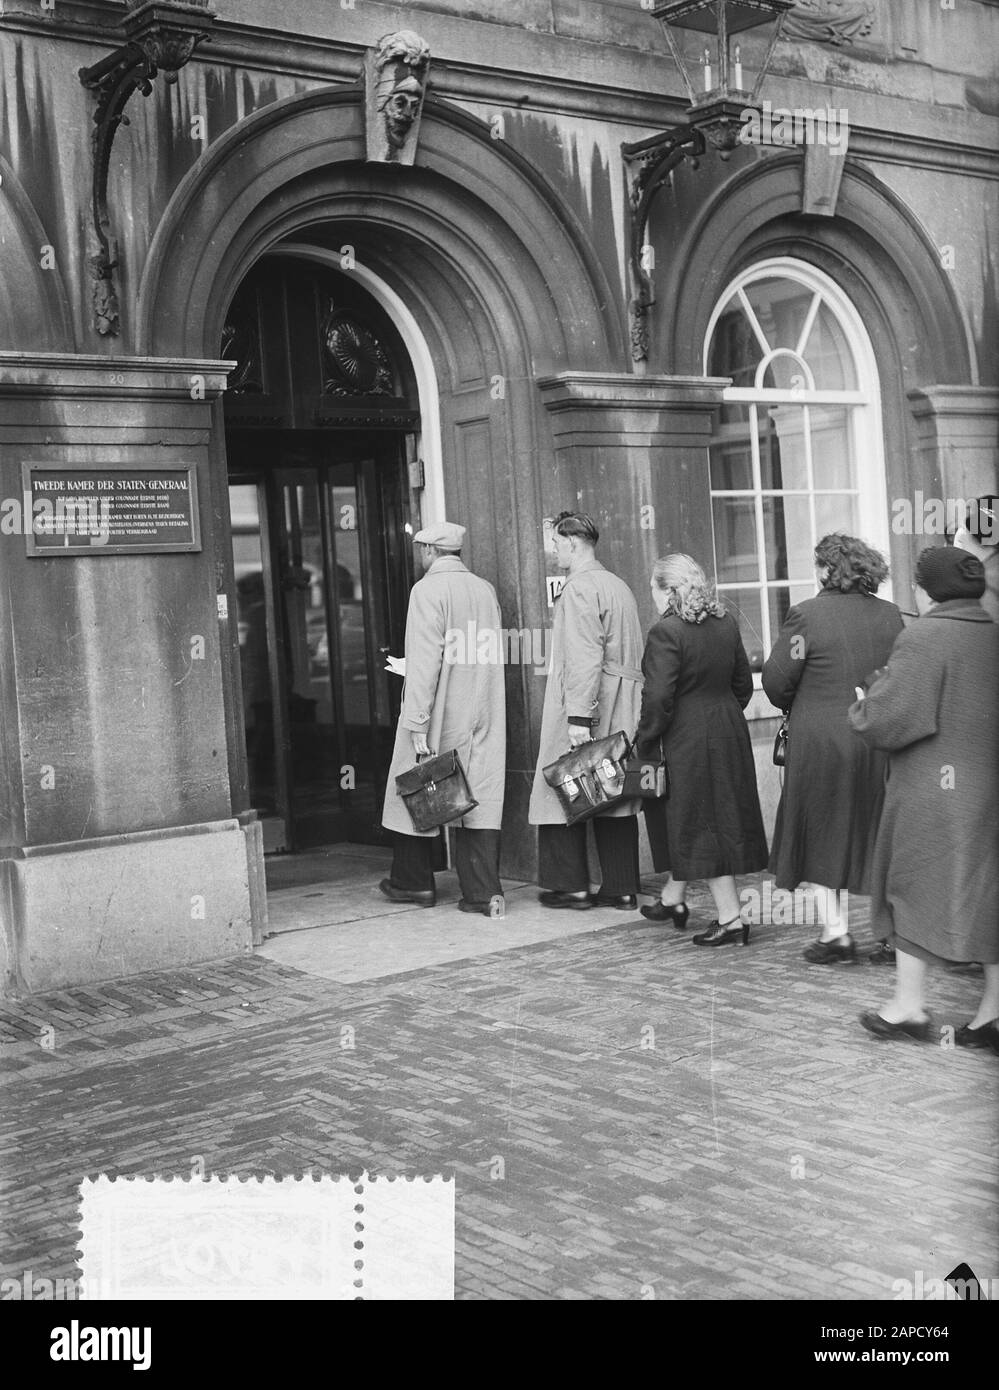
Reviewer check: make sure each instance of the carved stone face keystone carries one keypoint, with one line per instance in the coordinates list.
(401, 110)
(395, 81)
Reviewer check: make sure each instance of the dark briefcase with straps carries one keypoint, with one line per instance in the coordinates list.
(589, 779)
(435, 791)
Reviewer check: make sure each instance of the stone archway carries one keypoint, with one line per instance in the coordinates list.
(873, 247)
(34, 306)
(881, 258)
(496, 271)
(480, 207)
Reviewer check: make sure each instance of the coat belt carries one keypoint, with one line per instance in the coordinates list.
(626, 673)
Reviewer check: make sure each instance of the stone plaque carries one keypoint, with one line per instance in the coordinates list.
(103, 510)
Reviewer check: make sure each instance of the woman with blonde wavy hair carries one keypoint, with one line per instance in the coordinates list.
(697, 684)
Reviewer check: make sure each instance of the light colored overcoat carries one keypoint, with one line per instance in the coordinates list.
(454, 690)
(595, 673)
(933, 711)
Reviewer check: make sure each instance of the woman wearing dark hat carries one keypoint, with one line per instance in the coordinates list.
(833, 784)
(936, 860)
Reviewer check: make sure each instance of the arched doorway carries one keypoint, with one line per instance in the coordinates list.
(489, 263)
(321, 424)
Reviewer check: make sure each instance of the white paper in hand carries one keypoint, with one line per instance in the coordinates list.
(396, 664)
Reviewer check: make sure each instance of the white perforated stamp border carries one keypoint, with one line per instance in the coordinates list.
(270, 1238)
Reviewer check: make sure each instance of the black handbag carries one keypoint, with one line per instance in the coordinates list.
(780, 742)
(590, 778)
(647, 777)
(435, 791)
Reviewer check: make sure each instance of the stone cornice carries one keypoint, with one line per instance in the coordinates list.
(976, 401)
(933, 137)
(627, 391)
(91, 376)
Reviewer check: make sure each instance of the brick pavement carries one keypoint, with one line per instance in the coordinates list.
(667, 1121)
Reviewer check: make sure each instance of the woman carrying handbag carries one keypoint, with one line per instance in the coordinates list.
(833, 783)
(697, 684)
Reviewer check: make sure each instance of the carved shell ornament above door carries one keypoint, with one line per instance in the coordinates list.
(357, 363)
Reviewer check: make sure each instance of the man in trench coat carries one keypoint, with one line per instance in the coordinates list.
(594, 689)
(453, 698)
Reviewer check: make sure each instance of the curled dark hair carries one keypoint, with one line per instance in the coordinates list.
(852, 564)
(576, 524)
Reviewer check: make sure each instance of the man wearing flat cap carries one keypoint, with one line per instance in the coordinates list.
(453, 699)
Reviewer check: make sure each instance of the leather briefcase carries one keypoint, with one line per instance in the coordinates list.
(589, 779)
(647, 777)
(435, 791)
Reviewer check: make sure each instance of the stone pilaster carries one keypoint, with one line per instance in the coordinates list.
(121, 847)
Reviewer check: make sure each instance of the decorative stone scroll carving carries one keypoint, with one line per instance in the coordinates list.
(241, 343)
(161, 36)
(837, 22)
(395, 79)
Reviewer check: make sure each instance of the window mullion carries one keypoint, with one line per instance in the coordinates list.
(806, 423)
(761, 535)
(754, 322)
(813, 309)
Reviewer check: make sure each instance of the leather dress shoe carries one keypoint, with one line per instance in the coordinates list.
(841, 948)
(922, 1030)
(569, 900)
(626, 902)
(721, 933)
(495, 907)
(427, 898)
(659, 912)
(986, 1035)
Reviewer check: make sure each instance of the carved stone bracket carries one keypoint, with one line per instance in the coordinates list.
(650, 164)
(161, 36)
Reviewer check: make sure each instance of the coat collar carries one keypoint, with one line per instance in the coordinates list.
(967, 610)
(447, 564)
(584, 568)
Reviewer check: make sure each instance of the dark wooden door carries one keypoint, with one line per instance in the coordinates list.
(323, 570)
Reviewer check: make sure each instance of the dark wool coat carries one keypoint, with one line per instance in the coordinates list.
(454, 691)
(697, 683)
(936, 861)
(833, 782)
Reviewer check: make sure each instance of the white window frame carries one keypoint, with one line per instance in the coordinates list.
(865, 420)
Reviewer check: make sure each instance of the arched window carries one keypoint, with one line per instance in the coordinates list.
(796, 450)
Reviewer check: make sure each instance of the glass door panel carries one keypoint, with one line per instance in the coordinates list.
(313, 716)
(258, 658)
(322, 556)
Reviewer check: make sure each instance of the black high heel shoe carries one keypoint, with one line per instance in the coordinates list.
(719, 933)
(659, 912)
